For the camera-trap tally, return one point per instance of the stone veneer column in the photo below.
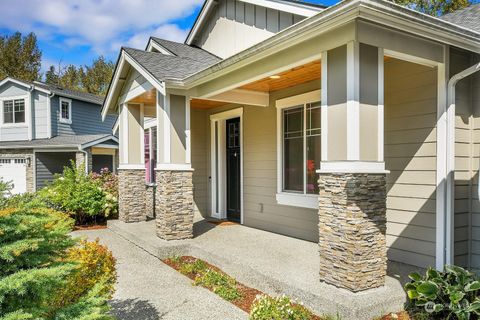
(131, 195)
(352, 226)
(174, 204)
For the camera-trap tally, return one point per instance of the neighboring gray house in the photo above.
(43, 127)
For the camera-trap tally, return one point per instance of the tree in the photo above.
(435, 7)
(20, 57)
(52, 76)
(97, 77)
(92, 79)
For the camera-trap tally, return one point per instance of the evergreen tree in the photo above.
(20, 57)
(51, 76)
(98, 76)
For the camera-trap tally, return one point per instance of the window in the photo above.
(299, 143)
(14, 111)
(301, 148)
(65, 110)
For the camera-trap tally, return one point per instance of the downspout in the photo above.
(449, 224)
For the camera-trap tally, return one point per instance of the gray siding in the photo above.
(50, 163)
(410, 155)
(40, 115)
(13, 133)
(467, 157)
(234, 25)
(86, 119)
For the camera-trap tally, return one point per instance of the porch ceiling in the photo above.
(290, 78)
(206, 104)
(148, 98)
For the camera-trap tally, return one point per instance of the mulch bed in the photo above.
(91, 226)
(248, 294)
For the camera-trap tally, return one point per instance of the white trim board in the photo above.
(216, 121)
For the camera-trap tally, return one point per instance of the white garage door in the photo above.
(14, 170)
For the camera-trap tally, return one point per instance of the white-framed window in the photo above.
(65, 110)
(13, 111)
(298, 149)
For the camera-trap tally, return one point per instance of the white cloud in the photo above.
(99, 24)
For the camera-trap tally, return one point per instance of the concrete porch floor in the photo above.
(274, 264)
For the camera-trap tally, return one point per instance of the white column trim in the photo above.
(381, 107)
(158, 110)
(124, 121)
(372, 167)
(142, 133)
(324, 109)
(441, 178)
(166, 129)
(353, 103)
(188, 140)
(29, 114)
(49, 116)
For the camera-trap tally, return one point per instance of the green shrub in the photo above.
(278, 308)
(220, 283)
(35, 268)
(28, 201)
(76, 193)
(452, 294)
(197, 267)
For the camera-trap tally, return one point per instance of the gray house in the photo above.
(44, 127)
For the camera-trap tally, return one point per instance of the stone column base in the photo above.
(174, 204)
(131, 195)
(352, 227)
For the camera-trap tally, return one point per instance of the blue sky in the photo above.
(77, 31)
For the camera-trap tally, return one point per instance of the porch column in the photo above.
(131, 171)
(352, 176)
(174, 194)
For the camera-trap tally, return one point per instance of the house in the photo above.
(355, 126)
(43, 127)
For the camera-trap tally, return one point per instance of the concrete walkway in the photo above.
(274, 264)
(148, 289)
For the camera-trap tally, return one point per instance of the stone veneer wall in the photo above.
(352, 227)
(80, 159)
(131, 195)
(150, 200)
(22, 153)
(174, 204)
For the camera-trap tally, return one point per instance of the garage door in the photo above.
(14, 170)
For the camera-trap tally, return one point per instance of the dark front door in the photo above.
(233, 169)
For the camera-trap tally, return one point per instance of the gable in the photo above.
(11, 89)
(234, 25)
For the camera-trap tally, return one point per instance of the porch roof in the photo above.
(468, 17)
(185, 51)
(75, 141)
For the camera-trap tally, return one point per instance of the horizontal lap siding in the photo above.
(13, 133)
(260, 174)
(50, 163)
(199, 160)
(475, 204)
(410, 155)
(463, 160)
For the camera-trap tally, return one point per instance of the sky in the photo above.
(78, 31)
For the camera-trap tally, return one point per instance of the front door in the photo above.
(233, 169)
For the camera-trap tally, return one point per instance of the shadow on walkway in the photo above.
(134, 309)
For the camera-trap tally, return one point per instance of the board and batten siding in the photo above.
(86, 119)
(40, 115)
(234, 25)
(410, 155)
(20, 131)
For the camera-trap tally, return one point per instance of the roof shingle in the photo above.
(185, 51)
(468, 17)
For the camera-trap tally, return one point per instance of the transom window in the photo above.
(301, 148)
(14, 111)
(65, 110)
